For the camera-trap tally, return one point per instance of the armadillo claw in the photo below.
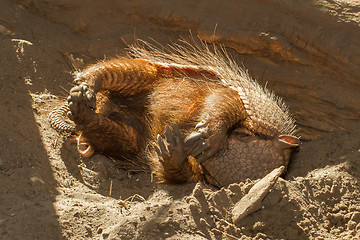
(163, 149)
(205, 156)
(158, 151)
(215, 146)
(177, 133)
(195, 136)
(169, 136)
(204, 144)
(201, 124)
(200, 147)
(171, 149)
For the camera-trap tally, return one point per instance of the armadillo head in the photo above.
(263, 141)
(249, 155)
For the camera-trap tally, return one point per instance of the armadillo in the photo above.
(188, 112)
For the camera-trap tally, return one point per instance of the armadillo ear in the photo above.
(288, 141)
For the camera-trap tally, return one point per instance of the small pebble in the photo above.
(258, 226)
(204, 223)
(351, 225)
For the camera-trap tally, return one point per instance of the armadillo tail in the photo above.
(58, 119)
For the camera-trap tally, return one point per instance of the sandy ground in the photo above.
(311, 59)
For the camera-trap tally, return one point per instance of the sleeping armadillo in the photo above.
(188, 112)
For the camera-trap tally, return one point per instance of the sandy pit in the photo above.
(307, 52)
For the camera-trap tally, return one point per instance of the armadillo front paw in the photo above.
(205, 142)
(80, 97)
(171, 151)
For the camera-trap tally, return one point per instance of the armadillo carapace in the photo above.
(189, 113)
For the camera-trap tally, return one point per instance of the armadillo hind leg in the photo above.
(57, 118)
(126, 76)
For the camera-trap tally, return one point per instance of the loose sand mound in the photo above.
(307, 52)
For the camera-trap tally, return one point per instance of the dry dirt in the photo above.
(308, 52)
